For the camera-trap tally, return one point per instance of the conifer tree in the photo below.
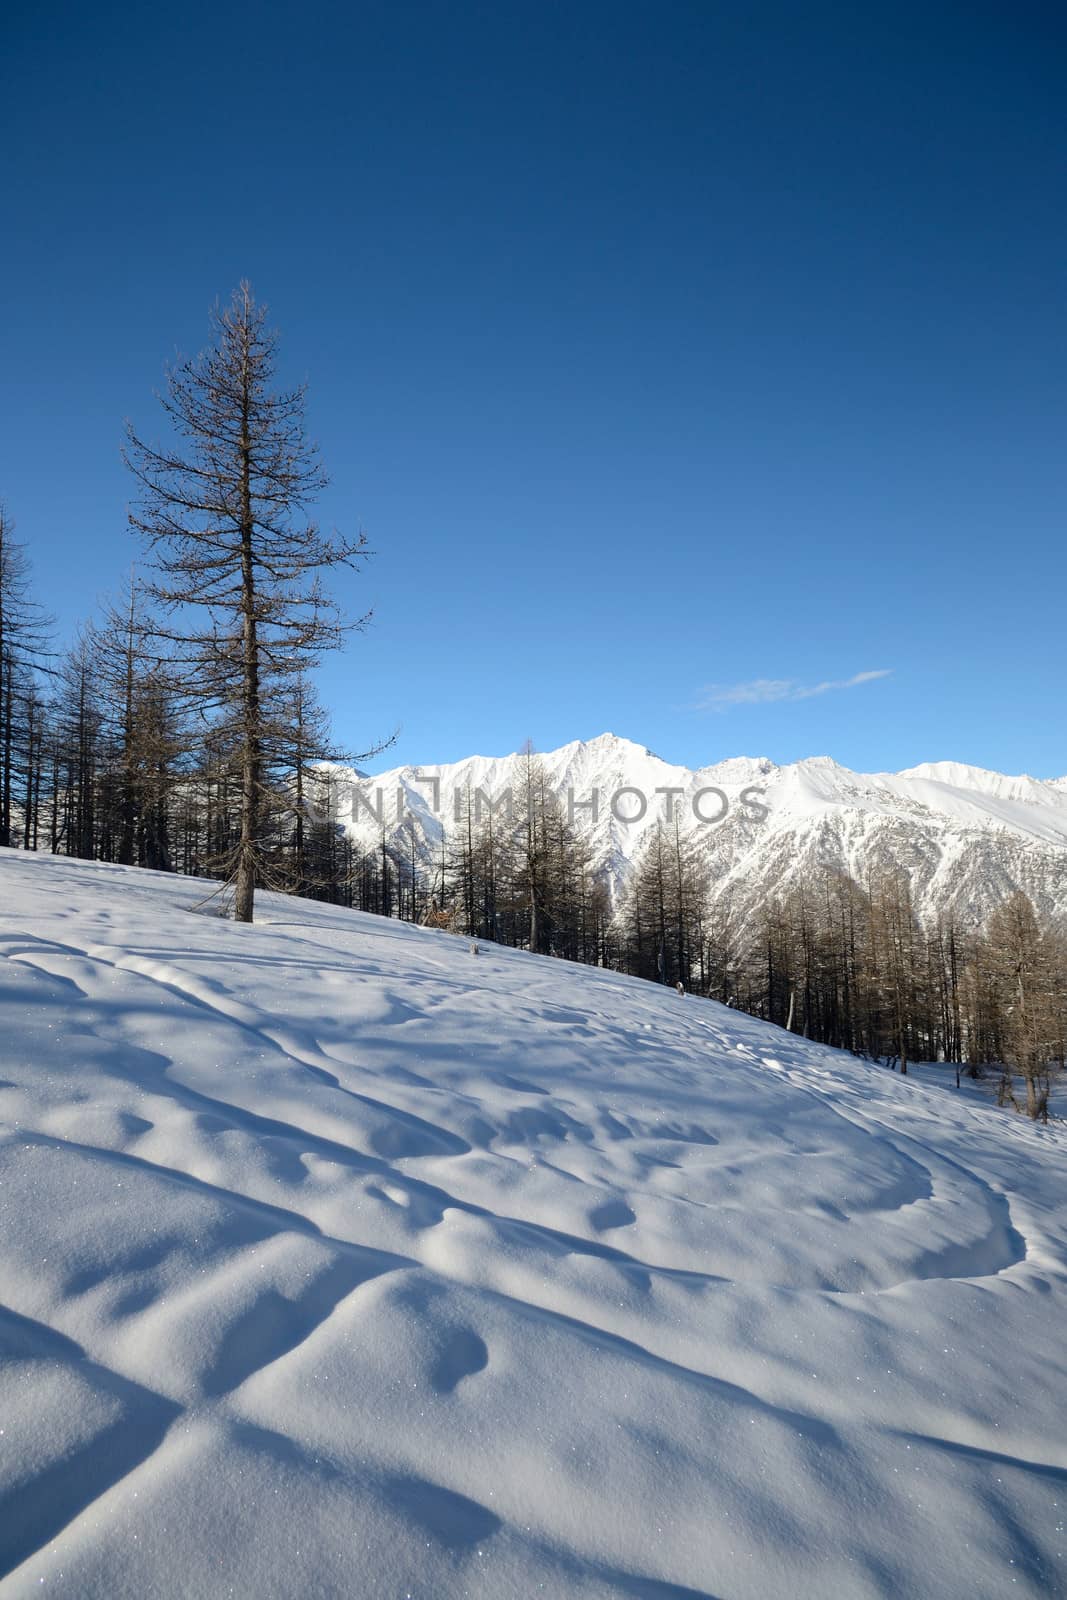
(24, 639)
(237, 561)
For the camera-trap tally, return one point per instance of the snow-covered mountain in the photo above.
(967, 836)
(338, 1261)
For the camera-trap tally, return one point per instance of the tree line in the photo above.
(843, 963)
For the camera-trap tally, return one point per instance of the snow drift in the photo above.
(337, 1260)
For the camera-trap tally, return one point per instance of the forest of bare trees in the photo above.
(180, 731)
(839, 962)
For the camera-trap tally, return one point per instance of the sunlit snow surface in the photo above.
(338, 1261)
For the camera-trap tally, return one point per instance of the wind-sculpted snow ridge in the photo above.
(967, 837)
(338, 1261)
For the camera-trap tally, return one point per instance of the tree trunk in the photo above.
(5, 799)
(244, 894)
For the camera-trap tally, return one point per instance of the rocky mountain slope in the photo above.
(967, 837)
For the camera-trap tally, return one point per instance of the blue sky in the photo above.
(696, 369)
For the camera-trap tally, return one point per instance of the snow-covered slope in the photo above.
(967, 836)
(336, 1260)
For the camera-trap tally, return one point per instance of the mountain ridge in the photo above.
(966, 835)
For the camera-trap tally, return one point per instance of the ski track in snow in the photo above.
(335, 1260)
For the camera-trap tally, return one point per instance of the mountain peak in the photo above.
(965, 835)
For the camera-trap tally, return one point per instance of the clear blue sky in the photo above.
(660, 348)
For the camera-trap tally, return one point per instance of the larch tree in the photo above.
(1021, 958)
(237, 560)
(24, 640)
(139, 716)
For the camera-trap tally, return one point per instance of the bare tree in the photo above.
(1021, 958)
(145, 728)
(237, 561)
(24, 638)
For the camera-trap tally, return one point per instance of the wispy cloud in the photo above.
(765, 691)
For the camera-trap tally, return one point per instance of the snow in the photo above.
(338, 1261)
(966, 835)
(803, 791)
(985, 1089)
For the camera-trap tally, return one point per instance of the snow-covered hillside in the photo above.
(966, 836)
(336, 1260)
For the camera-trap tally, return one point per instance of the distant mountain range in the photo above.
(967, 836)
